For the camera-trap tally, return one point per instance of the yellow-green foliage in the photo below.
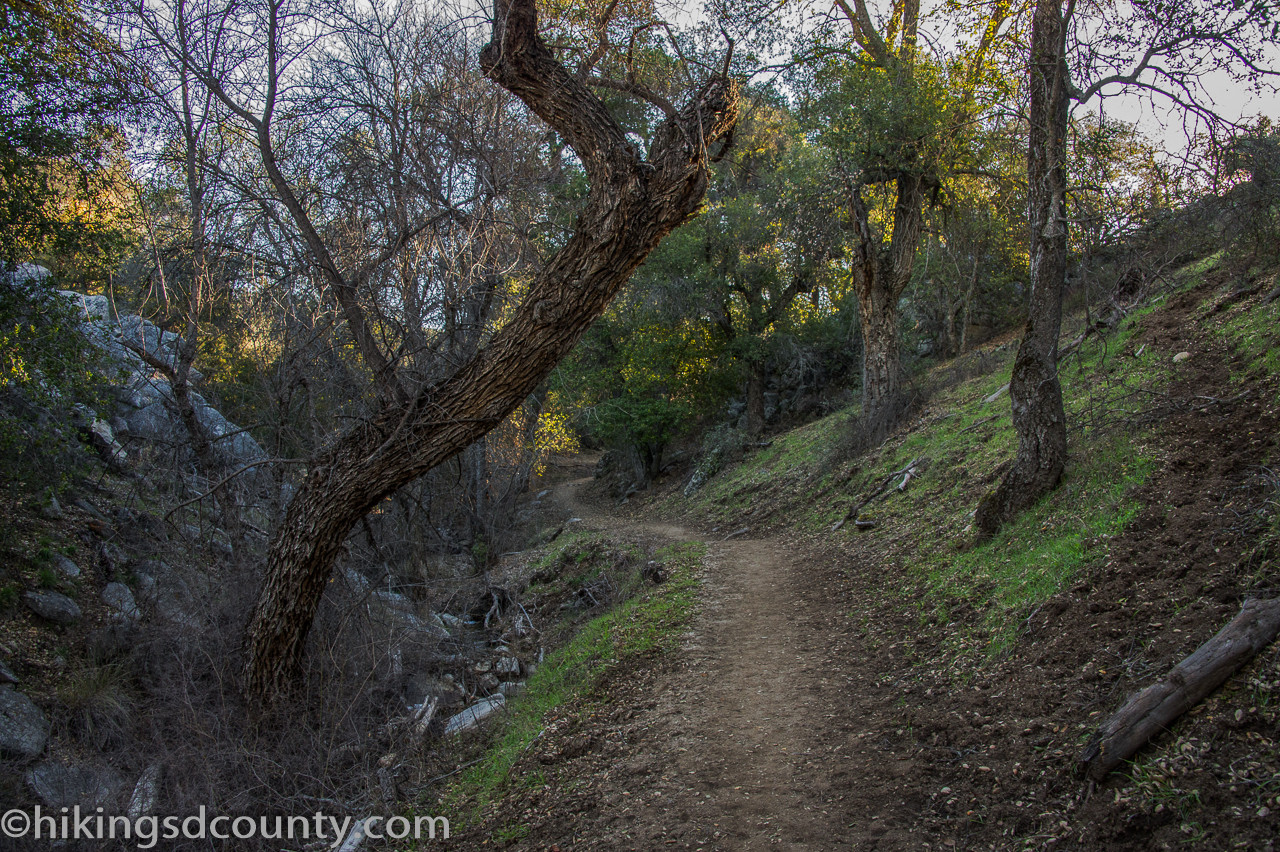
(47, 368)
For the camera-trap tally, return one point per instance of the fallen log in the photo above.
(977, 423)
(907, 473)
(1156, 707)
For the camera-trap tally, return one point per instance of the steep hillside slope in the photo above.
(938, 692)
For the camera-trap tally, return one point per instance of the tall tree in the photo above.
(633, 202)
(1038, 415)
(896, 121)
(1158, 47)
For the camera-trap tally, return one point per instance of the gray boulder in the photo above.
(60, 786)
(24, 728)
(52, 509)
(124, 608)
(54, 606)
(7, 675)
(65, 567)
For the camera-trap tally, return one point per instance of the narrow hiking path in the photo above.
(719, 751)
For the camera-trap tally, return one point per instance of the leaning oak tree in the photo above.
(1038, 415)
(633, 202)
(1160, 48)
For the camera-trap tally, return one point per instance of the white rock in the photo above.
(474, 715)
(146, 793)
(506, 666)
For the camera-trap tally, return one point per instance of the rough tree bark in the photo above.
(880, 276)
(632, 204)
(1155, 708)
(1036, 393)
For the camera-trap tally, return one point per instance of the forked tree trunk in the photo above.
(1034, 389)
(631, 206)
(881, 275)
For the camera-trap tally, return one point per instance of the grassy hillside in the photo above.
(1168, 517)
(1113, 383)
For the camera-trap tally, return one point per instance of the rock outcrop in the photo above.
(145, 402)
(24, 729)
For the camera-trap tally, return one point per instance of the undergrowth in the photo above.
(650, 622)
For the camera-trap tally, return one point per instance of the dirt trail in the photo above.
(723, 757)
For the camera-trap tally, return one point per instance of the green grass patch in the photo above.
(1106, 387)
(783, 474)
(960, 439)
(1200, 268)
(647, 623)
(1045, 548)
(1253, 328)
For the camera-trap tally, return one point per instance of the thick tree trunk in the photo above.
(1035, 392)
(632, 205)
(881, 365)
(881, 274)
